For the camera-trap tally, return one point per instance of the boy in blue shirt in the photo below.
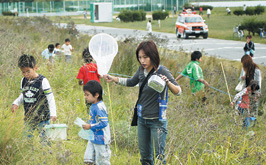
(36, 95)
(49, 54)
(98, 150)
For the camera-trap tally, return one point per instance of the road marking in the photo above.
(259, 57)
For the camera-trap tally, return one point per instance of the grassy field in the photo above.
(220, 24)
(198, 133)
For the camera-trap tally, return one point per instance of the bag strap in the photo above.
(135, 116)
(143, 84)
(166, 90)
(86, 71)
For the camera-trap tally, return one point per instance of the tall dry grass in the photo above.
(198, 133)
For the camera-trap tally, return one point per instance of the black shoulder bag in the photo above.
(135, 116)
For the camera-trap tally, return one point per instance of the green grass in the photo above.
(220, 24)
(197, 133)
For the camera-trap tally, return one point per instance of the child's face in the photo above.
(51, 51)
(58, 47)
(90, 98)
(67, 43)
(199, 60)
(248, 40)
(29, 73)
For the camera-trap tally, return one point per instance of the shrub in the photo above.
(130, 16)
(238, 12)
(250, 11)
(143, 14)
(252, 25)
(156, 15)
(126, 16)
(259, 9)
(8, 13)
(137, 16)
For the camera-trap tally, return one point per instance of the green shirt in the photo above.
(194, 71)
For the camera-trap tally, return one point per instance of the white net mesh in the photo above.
(103, 49)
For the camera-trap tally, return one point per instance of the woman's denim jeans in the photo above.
(152, 133)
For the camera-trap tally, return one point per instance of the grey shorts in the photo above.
(97, 153)
(67, 58)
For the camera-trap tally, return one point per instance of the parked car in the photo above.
(188, 24)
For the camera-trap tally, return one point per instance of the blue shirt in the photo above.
(46, 54)
(98, 119)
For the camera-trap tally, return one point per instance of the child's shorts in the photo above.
(97, 153)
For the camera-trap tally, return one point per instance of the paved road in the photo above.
(227, 49)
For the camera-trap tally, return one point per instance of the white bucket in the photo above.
(156, 83)
(56, 131)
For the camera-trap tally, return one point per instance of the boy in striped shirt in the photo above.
(36, 95)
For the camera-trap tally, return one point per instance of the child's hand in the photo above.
(243, 77)
(14, 107)
(86, 126)
(232, 104)
(206, 83)
(53, 118)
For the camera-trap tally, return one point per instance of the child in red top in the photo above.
(89, 70)
(249, 97)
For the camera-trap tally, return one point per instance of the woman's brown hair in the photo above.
(151, 51)
(249, 67)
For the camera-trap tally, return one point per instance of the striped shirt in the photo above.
(38, 99)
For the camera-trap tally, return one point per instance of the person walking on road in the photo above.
(149, 27)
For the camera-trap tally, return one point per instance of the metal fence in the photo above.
(77, 7)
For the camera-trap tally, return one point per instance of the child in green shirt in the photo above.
(194, 71)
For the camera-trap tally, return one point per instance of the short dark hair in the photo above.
(196, 55)
(94, 87)
(249, 36)
(86, 55)
(51, 47)
(26, 61)
(57, 44)
(151, 51)
(67, 40)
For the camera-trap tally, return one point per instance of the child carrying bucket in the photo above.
(36, 96)
(247, 106)
(98, 150)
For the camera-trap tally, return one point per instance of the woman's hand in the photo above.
(109, 78)
(243, 77)
(173, 88)
(165, 79)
